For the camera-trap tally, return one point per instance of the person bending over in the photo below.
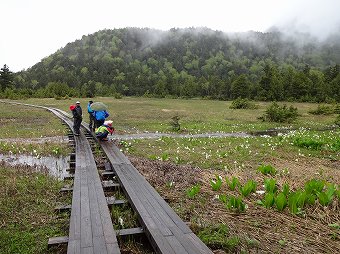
(103, 131)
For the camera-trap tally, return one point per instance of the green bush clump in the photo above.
(337, 120)
(337, 109)
(280, 114)
(322, 110)
(308, 143)
(240, 103)
(317, 145)
(175, 125)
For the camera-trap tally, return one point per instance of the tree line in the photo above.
(193, 62)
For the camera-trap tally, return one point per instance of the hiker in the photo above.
(104, 130)
(100, 117)
(77, 118)
(91, 116)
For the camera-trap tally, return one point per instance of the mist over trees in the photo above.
(193, 62)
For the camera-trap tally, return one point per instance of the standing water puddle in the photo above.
(53, 165)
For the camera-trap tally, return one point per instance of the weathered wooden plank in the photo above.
(110, 185)
(155, 214)
(108, 174)
(73, 246)
(197, 242)
(149, 202)
(185, 242)
(86, 230)
(113, 201)
(96, 222)
(57, 240)
(107, 166)
(99, 245)
(117, 157)
(155, 197)
(62, 208)
(150, 227)
(66, 189)
(109, 234)
(87, 250)
(90, 195)
(74, 231)
(112, 248)
(130, 231)
(176, 245)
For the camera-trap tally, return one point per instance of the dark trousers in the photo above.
(92, 124)
(76, 125)
(101, 135)
(98, 123)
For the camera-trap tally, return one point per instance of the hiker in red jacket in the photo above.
(77, 117)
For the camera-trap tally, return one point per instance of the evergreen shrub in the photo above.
(241, 103)
(280, 114)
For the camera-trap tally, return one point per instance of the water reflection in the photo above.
(52, 165)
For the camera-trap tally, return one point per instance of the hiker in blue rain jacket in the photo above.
(91, 116)
(100, 117)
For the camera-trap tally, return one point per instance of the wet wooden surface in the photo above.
(91, 229)
(163, 227)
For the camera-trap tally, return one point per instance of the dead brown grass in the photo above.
(276, 232)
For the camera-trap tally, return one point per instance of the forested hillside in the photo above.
(193, 62)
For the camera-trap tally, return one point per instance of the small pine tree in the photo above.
(175, 123)
(6, 78)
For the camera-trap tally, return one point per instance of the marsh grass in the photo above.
(28, 122)
(132, 114)
(35, 149)
(27, 201)
(230, 152)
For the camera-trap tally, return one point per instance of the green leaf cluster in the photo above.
(248, 188)
(270, 185)
(233, 183)
(267, 170)
(217, 183)
(193, 191)
(233, 203)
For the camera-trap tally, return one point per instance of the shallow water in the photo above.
(52, 165)
(159, 135)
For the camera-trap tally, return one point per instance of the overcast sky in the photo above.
(34, 29)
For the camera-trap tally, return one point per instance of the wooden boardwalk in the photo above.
(91, 229)
(165, 230)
